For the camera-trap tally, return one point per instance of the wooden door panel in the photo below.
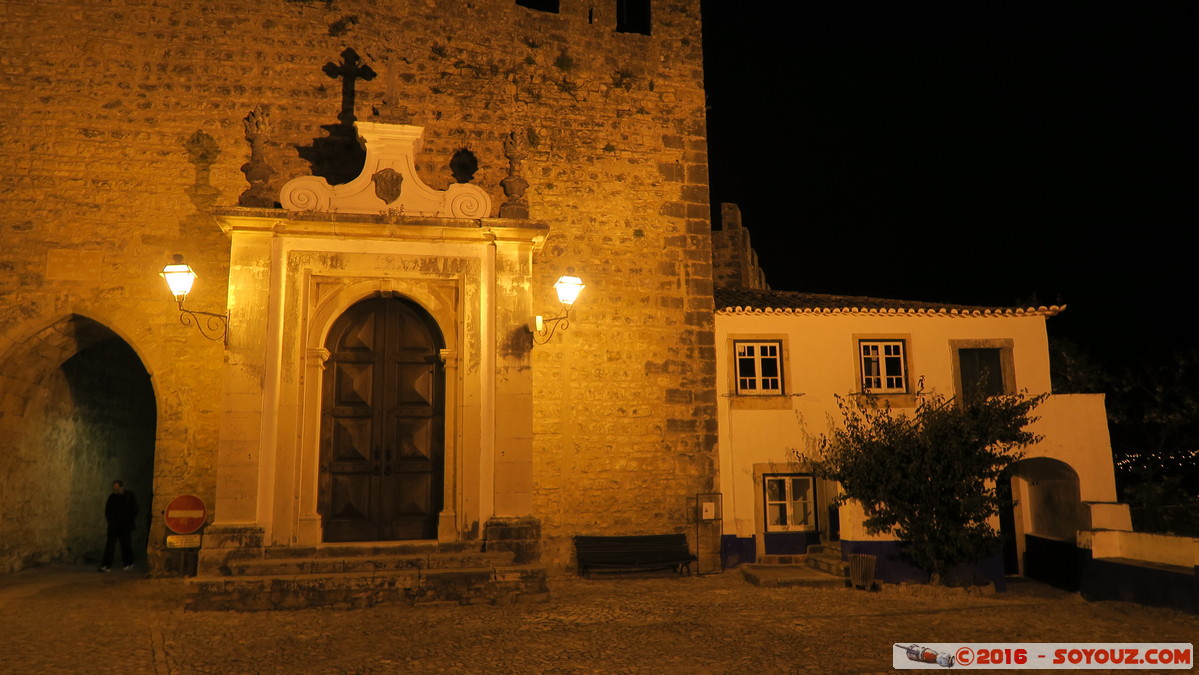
(408, 507)
(350, 507)
(354, 384)
(414, 439)
(361, 336)
(415, 384)
(352, 440)
(382, 460)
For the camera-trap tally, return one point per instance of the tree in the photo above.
(930, 478)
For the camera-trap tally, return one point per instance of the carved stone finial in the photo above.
(515, 149)
(257, 123)
(258, 172)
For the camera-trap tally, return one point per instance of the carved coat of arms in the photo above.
(387, 185)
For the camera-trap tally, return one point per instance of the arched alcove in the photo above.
(1040, 529)
(79, 412)
(1051, 495)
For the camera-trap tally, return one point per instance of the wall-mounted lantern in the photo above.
(568, 291)
(180, 277)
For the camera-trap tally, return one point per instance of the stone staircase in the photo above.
(821, 566)
(827, 558)
(364, 575)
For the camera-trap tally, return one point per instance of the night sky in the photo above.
(992, 153)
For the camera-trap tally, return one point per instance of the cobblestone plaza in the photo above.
(73, 620)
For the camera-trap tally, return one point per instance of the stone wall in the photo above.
(734, 261)
(123, 127)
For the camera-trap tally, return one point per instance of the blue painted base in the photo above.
(736, 550)
(1154, 586)
(1062, 564)
(1057, 563)
(790, 543)
(890, 566)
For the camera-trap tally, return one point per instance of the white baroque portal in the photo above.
(388, 183)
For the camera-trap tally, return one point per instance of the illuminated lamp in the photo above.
(180, 278)
(568, 288)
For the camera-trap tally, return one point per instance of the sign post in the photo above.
(184, 516)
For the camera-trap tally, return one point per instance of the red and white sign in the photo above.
(185, 514)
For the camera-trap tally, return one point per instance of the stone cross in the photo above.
(390, 110)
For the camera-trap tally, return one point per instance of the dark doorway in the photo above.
(1007, 523)
(115, 416)
(382, 427)
(82, 414)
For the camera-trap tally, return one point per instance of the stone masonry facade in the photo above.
(123, 129)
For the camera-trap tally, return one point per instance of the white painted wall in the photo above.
(820, 362)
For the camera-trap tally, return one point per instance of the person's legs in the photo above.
(127, 547)
(110, 545)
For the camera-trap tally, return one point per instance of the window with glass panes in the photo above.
(759, 367)
(883, 367)
(789, 502)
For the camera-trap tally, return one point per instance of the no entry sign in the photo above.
(185, 514)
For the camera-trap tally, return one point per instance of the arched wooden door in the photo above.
(382, 429)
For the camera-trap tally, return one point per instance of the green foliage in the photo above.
(930, 477)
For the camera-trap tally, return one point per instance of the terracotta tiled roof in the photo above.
(738, 301)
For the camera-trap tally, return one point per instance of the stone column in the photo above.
(513, 527)
(447, 524)
(237, 530)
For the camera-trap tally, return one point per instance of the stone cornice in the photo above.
(363, 226)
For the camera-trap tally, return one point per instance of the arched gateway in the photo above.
(382, 456)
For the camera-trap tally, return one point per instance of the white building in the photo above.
(783, 356)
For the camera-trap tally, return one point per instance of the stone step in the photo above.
(772, 576)
(323, 564)
(373, 549)
(779, 559)
(832, 548)
(461, 585)
(828, 563)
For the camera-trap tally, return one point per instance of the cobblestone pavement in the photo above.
(75, 620)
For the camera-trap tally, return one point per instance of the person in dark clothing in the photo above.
(120, 511)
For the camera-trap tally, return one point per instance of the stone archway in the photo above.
(1046, 515)
(78, 411)
(1051, 496)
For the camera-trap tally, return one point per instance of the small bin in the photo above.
(861, 570)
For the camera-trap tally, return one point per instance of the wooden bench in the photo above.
(633, 553)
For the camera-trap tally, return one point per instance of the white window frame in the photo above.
(881, 372)
(800, 514)
(760, 352)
